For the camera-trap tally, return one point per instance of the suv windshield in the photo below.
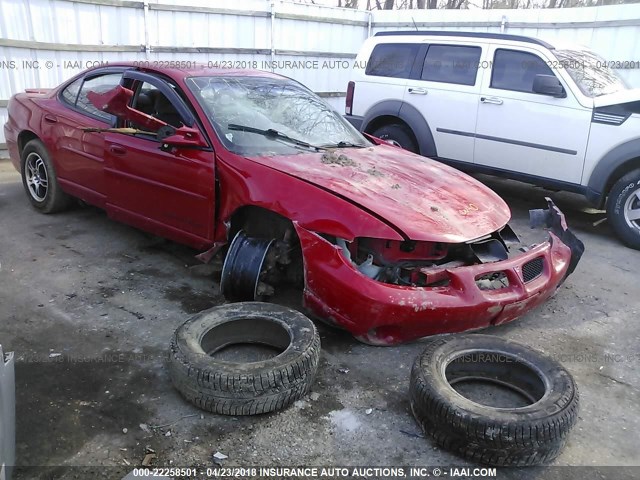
(270, 116)
(590, 71)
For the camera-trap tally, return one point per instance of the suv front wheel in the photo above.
(398, 135)
(623, 209)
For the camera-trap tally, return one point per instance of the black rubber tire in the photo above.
(55, 200)
(244, 388)
(530, 435)
(398, 134)
(618, 196)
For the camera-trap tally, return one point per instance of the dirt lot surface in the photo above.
(89, 306)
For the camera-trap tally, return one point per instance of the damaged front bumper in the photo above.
(386, 314)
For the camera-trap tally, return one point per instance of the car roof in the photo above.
(197, 70)
(441, 33)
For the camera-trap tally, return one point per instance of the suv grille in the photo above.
(532, 269)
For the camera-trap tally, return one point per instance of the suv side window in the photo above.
(392, 60)
(451, 64)
(99, 84)
(515, 70)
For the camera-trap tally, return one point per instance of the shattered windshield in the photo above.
(591, 72)
(270, 116)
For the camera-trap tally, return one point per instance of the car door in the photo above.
(168, 191)
(446, 93)
(386, 71)
(526, 132)
(79, 154)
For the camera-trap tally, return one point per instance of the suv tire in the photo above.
(623, 205)
(398, 135)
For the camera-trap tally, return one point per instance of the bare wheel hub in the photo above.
(245, 268)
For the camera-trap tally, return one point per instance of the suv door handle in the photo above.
(117, 149)
(417, 91)
(492, 100)
(50, 118)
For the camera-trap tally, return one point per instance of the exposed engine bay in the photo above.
(424, 264)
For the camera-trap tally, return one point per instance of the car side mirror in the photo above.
(180, 137)
(548, 85)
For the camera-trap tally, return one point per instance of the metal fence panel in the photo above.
(43, 42)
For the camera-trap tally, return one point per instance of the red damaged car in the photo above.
(385, 243)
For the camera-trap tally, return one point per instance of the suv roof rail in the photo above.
(442, 33)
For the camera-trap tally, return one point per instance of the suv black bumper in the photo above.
(355, 120)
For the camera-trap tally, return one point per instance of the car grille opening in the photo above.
(532, 269)
(492, 281)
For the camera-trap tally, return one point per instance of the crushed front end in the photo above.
(387, 292)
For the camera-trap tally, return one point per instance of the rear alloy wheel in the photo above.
(203, 372)
(623, 209)
(397, 135)
(37, 179)
(493, 401)
(40, 181)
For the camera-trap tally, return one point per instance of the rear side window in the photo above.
(392, 60)
(70, 94)
(451, 64)
(99, 84)
(515, 70)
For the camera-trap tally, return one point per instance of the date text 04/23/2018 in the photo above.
(316, 472)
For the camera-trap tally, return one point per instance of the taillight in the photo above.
(349, 102)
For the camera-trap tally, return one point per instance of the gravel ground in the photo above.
(89, 306)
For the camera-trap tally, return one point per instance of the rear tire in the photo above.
(623, 209)
(397, 134)
(40, 181)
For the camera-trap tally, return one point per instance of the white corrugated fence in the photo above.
(44, 42)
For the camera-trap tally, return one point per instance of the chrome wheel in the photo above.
(632, 210)
(37, 177)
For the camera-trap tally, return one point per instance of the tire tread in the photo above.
(248, 393)
(479, 437)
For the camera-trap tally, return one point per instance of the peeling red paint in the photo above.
(424, 199)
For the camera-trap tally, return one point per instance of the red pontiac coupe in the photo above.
(385, 243)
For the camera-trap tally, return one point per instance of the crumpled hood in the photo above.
(424, 199)
(617, 98)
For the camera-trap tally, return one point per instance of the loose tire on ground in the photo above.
(398, 135)
(47, 198)
(529, 435)
(244, 388)
(623, 208)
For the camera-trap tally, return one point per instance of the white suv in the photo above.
(506, 105)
